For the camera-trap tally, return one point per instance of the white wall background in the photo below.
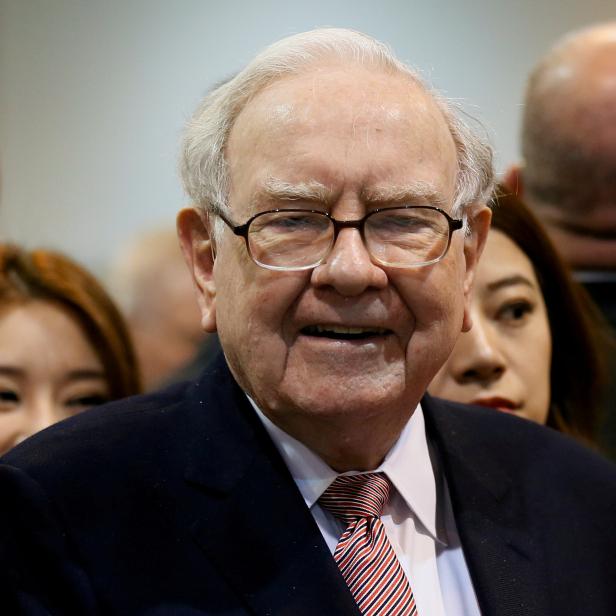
(94, 93)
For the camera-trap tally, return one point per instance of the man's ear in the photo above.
(474, 242)
(513, 180)
(197, 246)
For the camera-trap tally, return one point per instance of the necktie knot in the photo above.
(364, 555)
(351, 497)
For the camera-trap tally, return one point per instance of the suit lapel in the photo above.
(243, 498)
(250, 518)
(504, 558)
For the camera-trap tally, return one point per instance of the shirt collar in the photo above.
(407, 465)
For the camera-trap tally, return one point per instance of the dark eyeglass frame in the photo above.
(359, 224)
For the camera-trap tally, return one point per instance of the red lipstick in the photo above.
(497, 402)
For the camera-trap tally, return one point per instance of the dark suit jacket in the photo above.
(178, 503)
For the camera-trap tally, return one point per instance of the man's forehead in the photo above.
(584, 69)
(366, 95)
(314, 135)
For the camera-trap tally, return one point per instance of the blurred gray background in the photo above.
(94, 94)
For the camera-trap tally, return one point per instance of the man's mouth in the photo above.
(339, 332)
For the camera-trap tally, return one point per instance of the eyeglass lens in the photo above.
(395, 236)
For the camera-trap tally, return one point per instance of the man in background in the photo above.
(568, 171)
(151, 283)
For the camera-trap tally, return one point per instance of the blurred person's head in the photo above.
(568, 172)
(63, 344)
(151, 282)
(533, 349)
(361, 201)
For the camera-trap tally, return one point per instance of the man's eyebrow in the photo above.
(311, 190)
(511, 281)
(414, 192)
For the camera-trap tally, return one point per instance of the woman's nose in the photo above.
(479, 356)
(41, 414)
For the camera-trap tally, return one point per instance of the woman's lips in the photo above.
(497, 402)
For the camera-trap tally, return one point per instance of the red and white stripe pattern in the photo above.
(364, 554)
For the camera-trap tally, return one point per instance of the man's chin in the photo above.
(334, 396)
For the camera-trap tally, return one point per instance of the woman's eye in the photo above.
(87, 401)
(516, 311)
(7, 395)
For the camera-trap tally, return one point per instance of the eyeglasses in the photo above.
(290, 240)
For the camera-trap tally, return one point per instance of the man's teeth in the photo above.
(348, 331)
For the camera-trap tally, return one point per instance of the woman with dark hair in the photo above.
(64, 345)
(535, 348)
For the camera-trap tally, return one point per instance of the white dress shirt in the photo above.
(418, 519)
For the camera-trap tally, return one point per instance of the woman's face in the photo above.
(48, 370)
(504, 360)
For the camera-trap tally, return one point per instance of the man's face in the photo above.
(570, 148)
(343, 140)
(582, 226)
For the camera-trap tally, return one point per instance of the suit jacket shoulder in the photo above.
(535, 511)
(176, 502)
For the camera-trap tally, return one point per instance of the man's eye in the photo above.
(299, 223)
(403, 224)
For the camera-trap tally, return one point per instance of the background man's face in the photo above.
(358, 133)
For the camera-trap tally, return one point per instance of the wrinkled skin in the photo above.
(362, 136)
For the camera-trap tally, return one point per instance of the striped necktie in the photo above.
(364, 554)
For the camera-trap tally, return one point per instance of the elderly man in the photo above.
(569, 171)
(340, 215)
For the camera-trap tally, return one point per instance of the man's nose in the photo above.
(348, 268)
(478, 356)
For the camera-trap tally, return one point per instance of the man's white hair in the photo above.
(203, 166)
